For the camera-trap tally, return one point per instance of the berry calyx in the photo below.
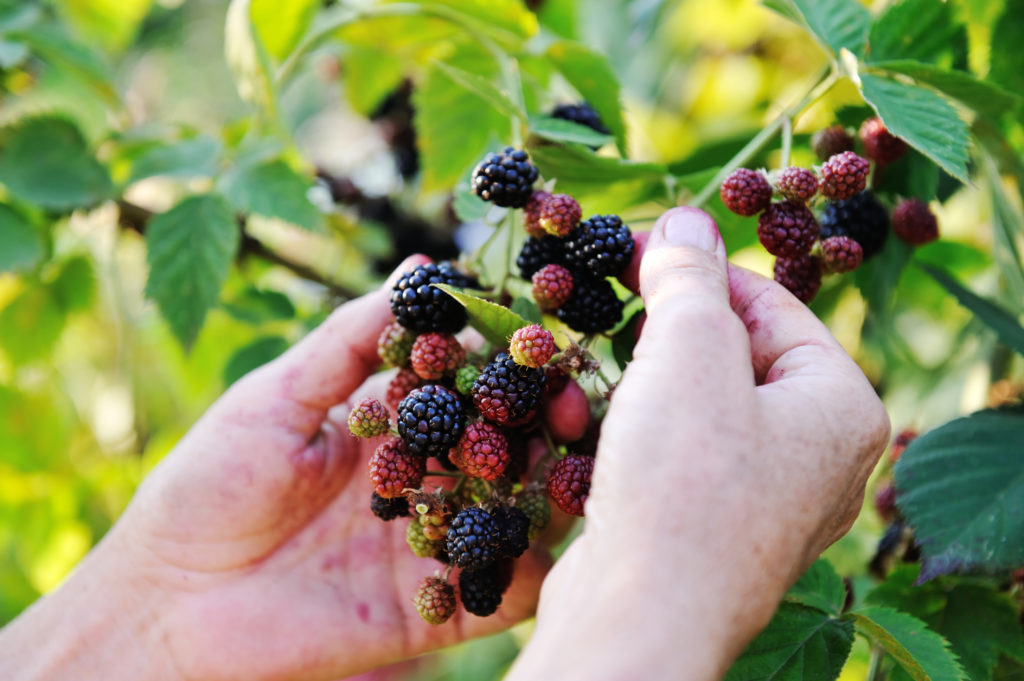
(831, 141)
(841, 254)
(505, 178)
(797, 184)
(915, 223)
(436, 354)
(746, 192)
(531, 213)
(435, 600)
(880, 145)
(472, 540)
(844, 175)
(801, 275)
(532, 346)
(569, 483)
(559, 214)
(369, 418)
(482, 452)
(787, 229)
(395, 344)
(393, 469)
(552, 286)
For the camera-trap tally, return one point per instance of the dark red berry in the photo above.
(746, 192)
(880, 145)
(404, 382)
(915, 223)
(787, 229)
(844, 175)
(393, 469)
(801, 275)
(841, 254)
(569, 483)
(531, 213)
(831, 141)
(559, 214)
(552, 286)
(797, 184)
(436, 354)
(482, 452)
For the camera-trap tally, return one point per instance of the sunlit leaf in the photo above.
(833, 23)
(923, 654)
(820, 587)
(280, 25)
(919, 30)
(494, 322)
(980, 95)
(1004, 323)
(592, 76)
(558, 130)
(272, 190)
(21, 245)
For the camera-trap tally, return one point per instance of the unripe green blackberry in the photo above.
(435, 600)
(418, 542)
(395, 344)
(465, 377)
(537, 509)
(369, 418)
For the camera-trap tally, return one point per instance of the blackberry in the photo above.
(395, 344)
(537, 509)
(506, 178)
(482, 452)
(465, 378)
(592, 307)
(797, 184)
(369, 418)
(473, 538)
(431, 420)
(787, 229)
(389, 509)
(801, 275)
(435, 355)
(914, 222)
(552, 286)
(536, 253)
(515, 531)
(569, 483)
(844, 175)
(862, 218)
(581, 113)
(745, 192)
(506, 393)
(419, 543)
(831, 141)
(393, 469)
(531, 346)
(481, 590)
(560, 214)
(880, 145)
(841, 254)
(422, 308)
(435, 600)
(531, 213)
(601, 246)
(403, 383)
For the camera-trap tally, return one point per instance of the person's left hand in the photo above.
(251, 553)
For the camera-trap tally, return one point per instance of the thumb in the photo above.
(684, 282)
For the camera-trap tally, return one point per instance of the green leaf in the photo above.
(509, 19)
(52, 44)
(961, 487)
(190, 250)
(484, 89)
(920, 30)
(558, 130)
(369, 76)
(280, 25)
(454, 128)
(74, 287)
(913, 174)
(253, 356)
(35, 308)
(593, 77)
(979, 622)
(923, 119)
(923, 654)
(1007, 227)
(272, 190)
(799, 643)
(527, 309)
(247, 57)
(494, 322)
(112, 25)
(468, 206)
(45, 161)
(1007, 59)
(835, 24)
(196, 157)
(256, 305)
(21, 245)
(575, 165)
(979, 95)
(1004, 323)
(624, 341)
(821, 588)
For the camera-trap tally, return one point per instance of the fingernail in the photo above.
(692, 228)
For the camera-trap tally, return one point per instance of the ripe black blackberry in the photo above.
(581, 113)
(422, 308)
(431, 420)
(473, 538)
(601, 246)
(862, 218)
(537, 253)
(506, 393)
(515, 531)
(593, 306)
(389, 509)
(481, 590)
(506, 178)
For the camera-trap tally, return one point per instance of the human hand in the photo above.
(735, 449)
(250, 552)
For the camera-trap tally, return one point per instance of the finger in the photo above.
(631, 277)
(327, 365)
(785, 336)
(691, 331)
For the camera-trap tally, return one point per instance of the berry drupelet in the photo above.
(506, 178)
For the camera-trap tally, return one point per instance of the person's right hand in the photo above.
(736, 448)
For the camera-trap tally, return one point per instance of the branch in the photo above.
(136, 218)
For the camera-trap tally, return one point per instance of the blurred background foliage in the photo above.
(319, 163)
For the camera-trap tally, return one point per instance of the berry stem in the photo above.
(821, 87)
(787, 142)
(875, 664)
(506, 226)
(541, 466)
(445, 474)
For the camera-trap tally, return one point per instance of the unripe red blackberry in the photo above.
(787, 229)
(435, 600)
(569, 483)
(885, 502)
(505, 178)
(880, 145)
(915, 223)
(395, 344)
(841, 254)
(831, 141)
(559, 214)
(393, 469)
(900, 442)
(465, 378)
(801, 275)
(531, 213)
(369, 418)
(552, 286)
(844, 175)
(532, 346)
(797, 184)
(746, 192)
(482, 452)
(436, 354)
(506, 392)
(404, 382)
